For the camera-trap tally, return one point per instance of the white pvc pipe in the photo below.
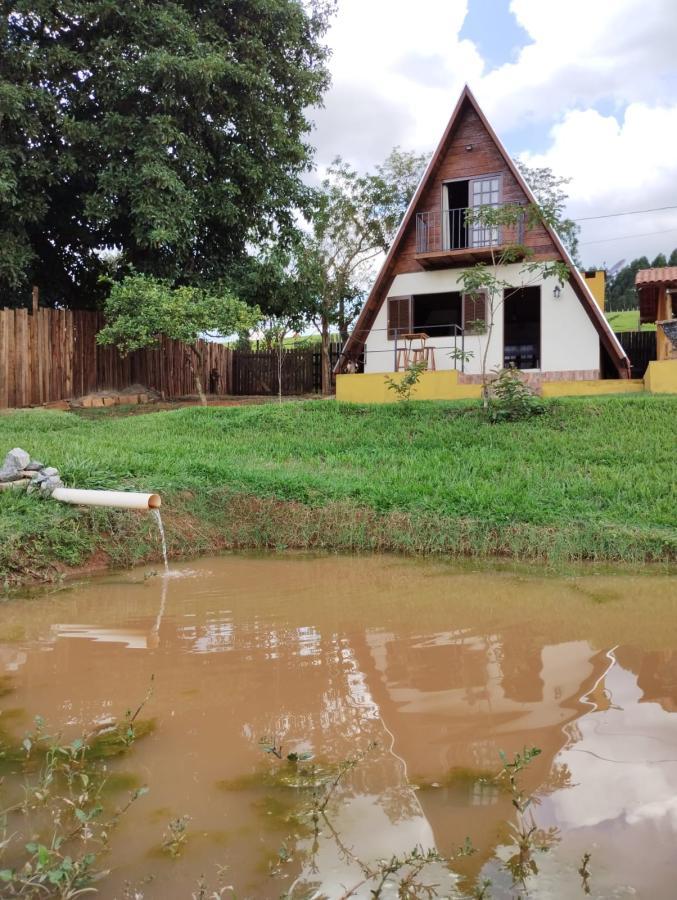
(119, 499)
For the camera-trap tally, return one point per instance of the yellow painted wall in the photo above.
(661, 376)
(372, 388)
(592, 388)
(597, 284)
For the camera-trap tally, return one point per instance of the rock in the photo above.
(50, 471)
(38, 477)
(57, 404)
(11, 485)
(15, 462)
(49, 485)
(34, 466)
(6, 477)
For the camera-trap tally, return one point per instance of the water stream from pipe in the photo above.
(161, 529)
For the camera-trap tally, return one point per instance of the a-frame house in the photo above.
(552, 332)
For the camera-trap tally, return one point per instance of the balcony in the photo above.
(448, 236)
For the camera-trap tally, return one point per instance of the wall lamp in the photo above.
(468, 147)
(557, 292)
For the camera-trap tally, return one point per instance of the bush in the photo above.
(511, 398)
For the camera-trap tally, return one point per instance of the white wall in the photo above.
(569, 340)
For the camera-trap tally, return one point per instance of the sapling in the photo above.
(404, 387)
(489, 280)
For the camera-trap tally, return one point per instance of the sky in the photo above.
(586, 87)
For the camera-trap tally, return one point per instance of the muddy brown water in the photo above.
(440, 666)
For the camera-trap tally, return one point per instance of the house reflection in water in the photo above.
(443, 669)
(454, 700)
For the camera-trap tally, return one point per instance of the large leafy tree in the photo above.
(354, 223)
(171, 131)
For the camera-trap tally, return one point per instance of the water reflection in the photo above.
(442, 667)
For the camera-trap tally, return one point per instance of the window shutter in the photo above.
(399, 316)
(475, 313)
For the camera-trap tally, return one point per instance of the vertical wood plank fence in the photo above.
(256, 371)
(640, 347)
(50, 355)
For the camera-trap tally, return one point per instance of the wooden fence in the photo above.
(640, 347)
(256, 371)
(52, 354)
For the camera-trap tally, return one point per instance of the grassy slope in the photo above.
(594, 479)
(628, 320)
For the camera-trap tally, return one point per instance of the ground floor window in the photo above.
(436, 314)
(522, 328)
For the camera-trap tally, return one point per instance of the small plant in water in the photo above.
(527, 837)
(62, 809)
(584, 872)
(405, 873)
(176, 835)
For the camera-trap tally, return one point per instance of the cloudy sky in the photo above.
(587, 87)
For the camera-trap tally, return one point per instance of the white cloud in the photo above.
(583, 53)
(395, 78)
(598, 79)
(618, 165)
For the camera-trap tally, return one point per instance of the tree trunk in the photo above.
(485, 381)
(196, 370)
(326, 359)
(342, 324)
(280, 361)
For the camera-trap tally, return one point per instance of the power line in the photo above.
(632, 212)
(623, 237)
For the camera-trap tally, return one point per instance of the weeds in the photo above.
(584, 872)
(175, 837)
(62, 803)
(405, 872)
(527, 837)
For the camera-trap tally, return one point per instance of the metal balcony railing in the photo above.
(448, 340)
(453, 229)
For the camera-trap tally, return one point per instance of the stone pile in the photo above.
(20, 471)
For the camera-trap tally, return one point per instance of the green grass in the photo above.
(593, 479)
(628, 320)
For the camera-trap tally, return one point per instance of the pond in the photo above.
(407, 679)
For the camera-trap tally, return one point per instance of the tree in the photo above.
(673, 258)
(620, 291)
(278, 281)
(140, 309)
(172, 132)
(276, 329)
(659, 262)
(551, 197)
(354, 222)
(489, 279)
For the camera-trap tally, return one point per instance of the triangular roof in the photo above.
(379, 291)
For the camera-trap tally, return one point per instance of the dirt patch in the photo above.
(137, 409)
